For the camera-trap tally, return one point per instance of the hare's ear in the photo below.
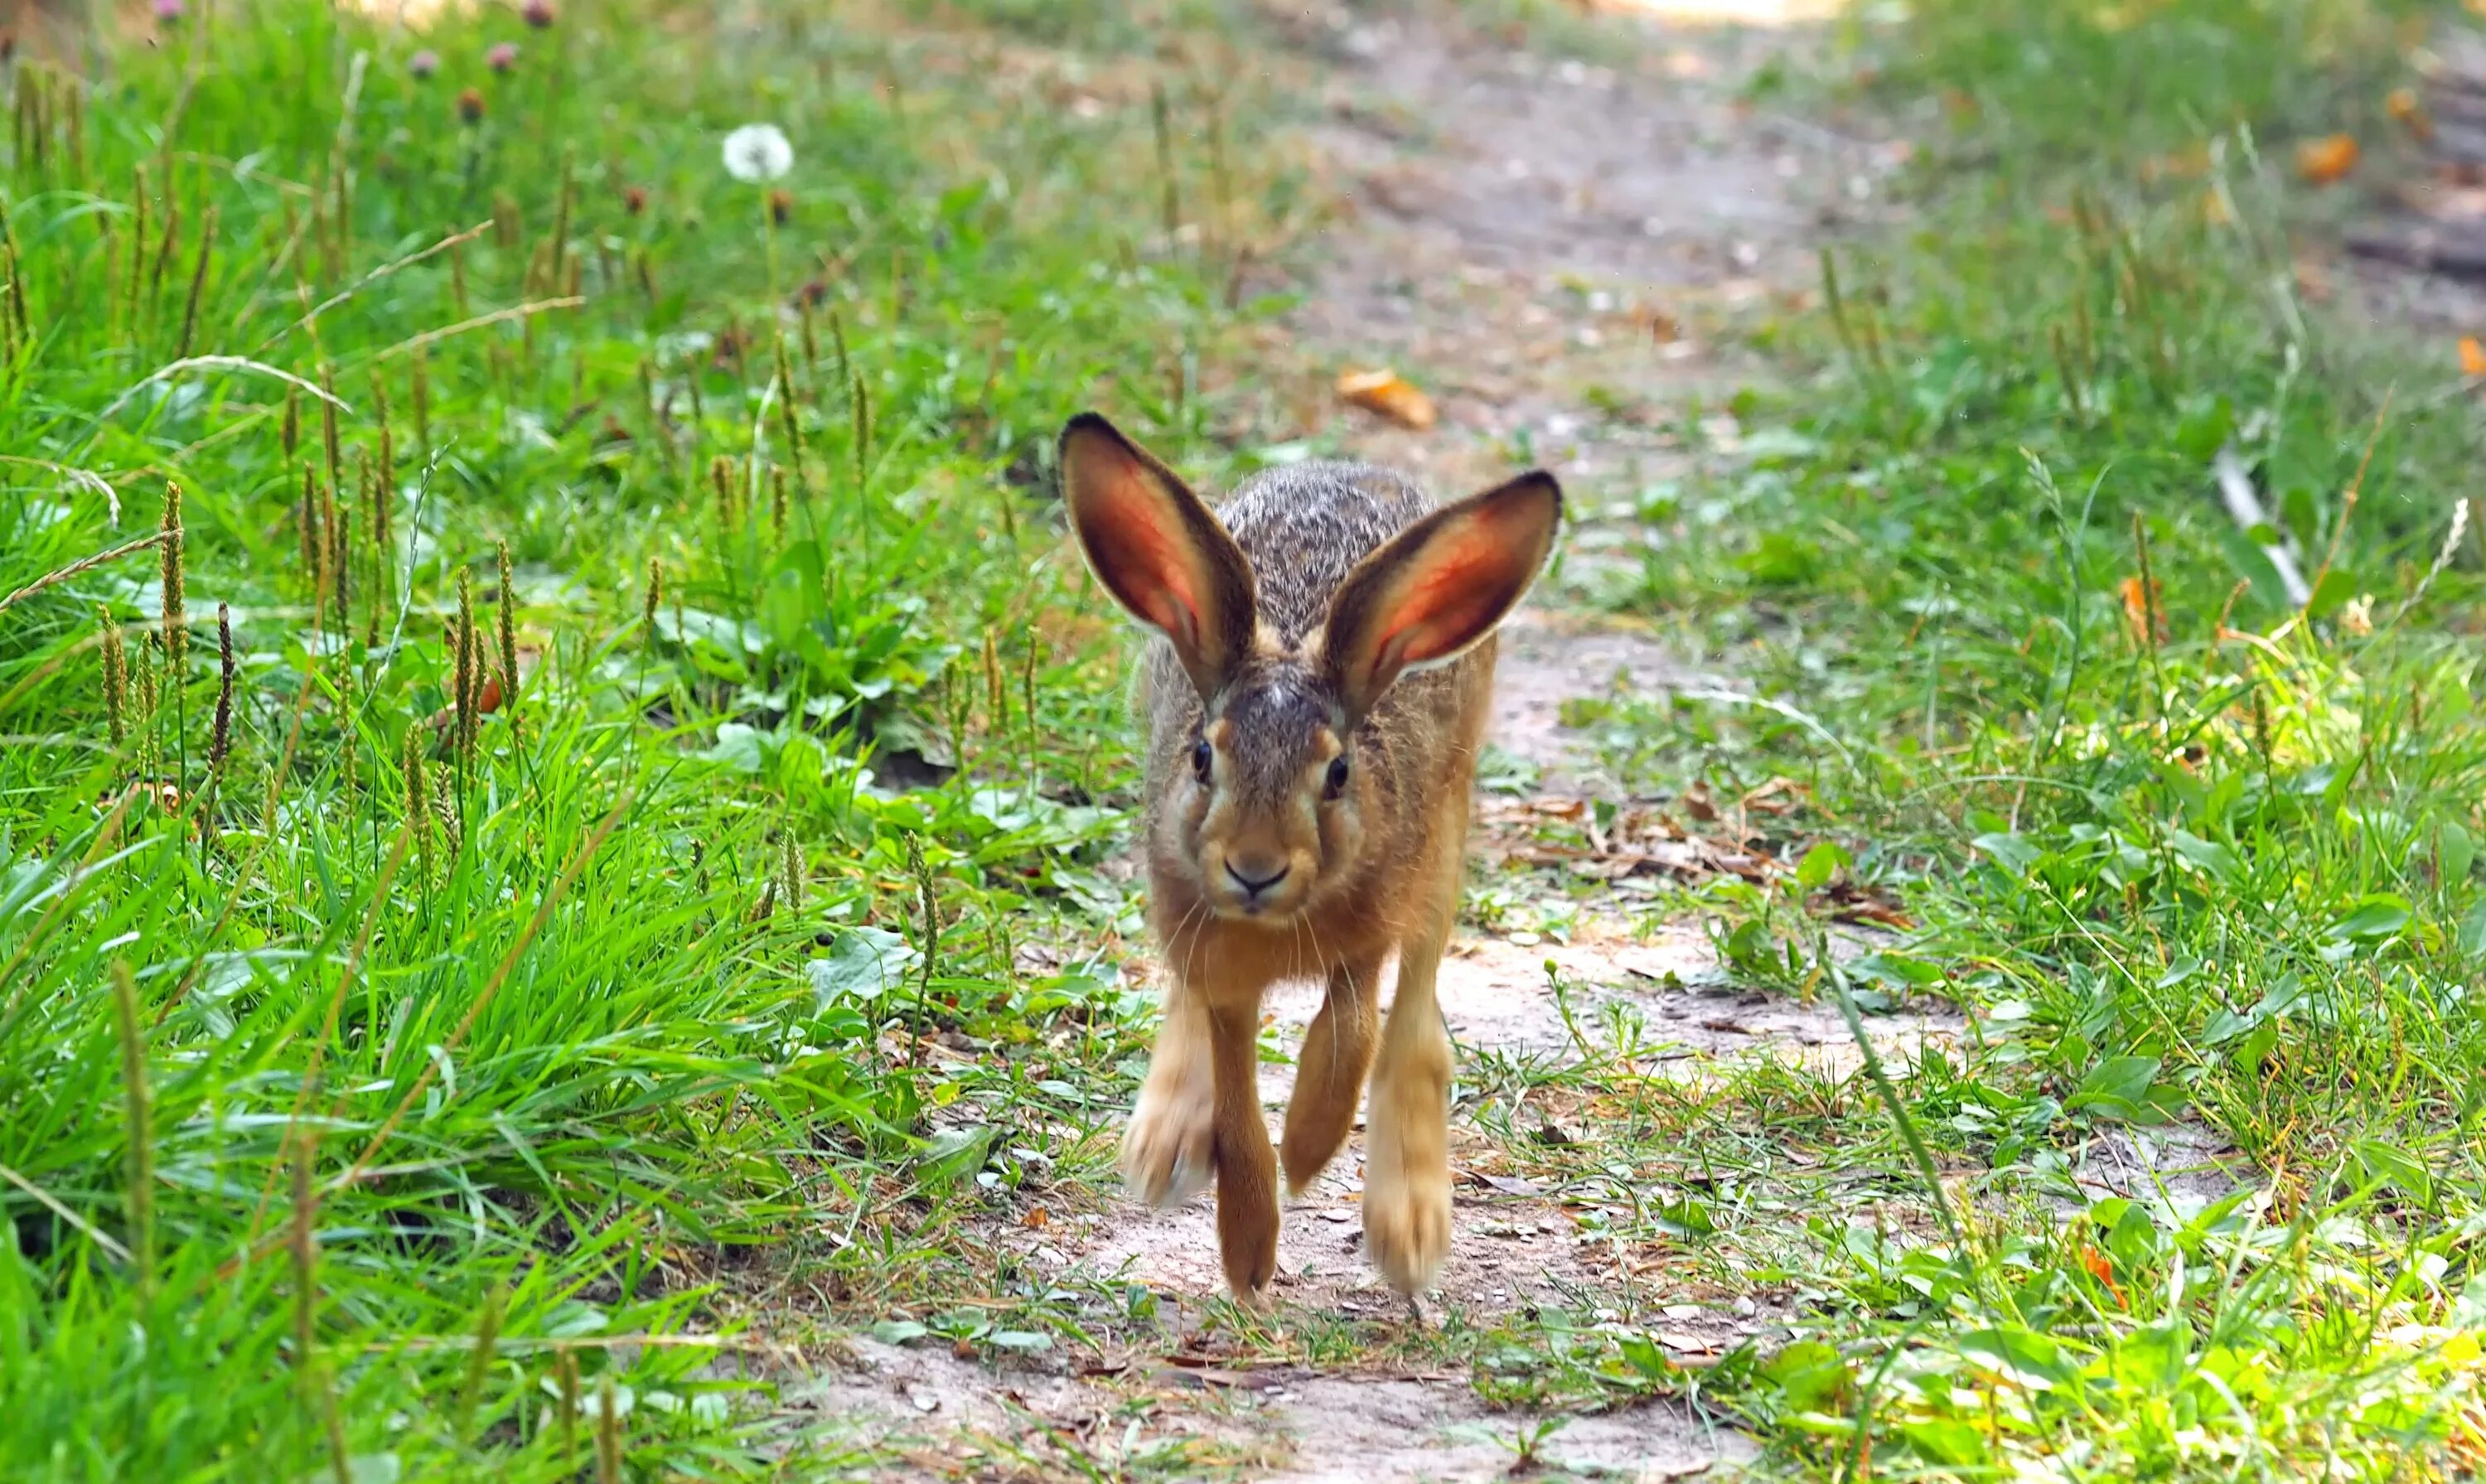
(1439, 586)
(1157, 548)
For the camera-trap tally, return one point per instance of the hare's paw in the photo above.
(1407, 1225)
(1165, 1157)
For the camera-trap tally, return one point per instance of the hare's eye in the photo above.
(1200, 759)
(1338, 776)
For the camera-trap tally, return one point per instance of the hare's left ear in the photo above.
(1439, 586)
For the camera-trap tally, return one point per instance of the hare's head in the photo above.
(1272, 804)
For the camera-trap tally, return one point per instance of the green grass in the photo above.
(2222, 875)
(469, 1071)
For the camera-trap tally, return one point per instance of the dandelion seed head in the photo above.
(758, 153)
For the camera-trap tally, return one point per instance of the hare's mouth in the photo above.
(1265, 895)
(1242, 907)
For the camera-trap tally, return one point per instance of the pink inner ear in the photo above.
(1449, 598)
(1144, 558)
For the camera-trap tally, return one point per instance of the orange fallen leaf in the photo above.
(2103, 1271)
(2402, 105)
(1384, 392)
(2140, 608)
(2328, 160)
(2473, 357)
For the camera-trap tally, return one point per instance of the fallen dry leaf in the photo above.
(2101, 1270)
(1854, 903)
(1386, 392)
(2473, 357)
(2143, 611)
(2328, 160)
(2402, 105)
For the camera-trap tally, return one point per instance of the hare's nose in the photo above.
(1256, 876)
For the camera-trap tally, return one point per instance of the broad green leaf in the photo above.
(2117, 1087)
(863, 963)
(2454, 851)
(1686, 1218)
(2388, 1164)
(2251, 563)
(2473, 929)
(2333, 592)
(1897, 969)
(2152, 1358)
(1645, 1356)
(2255, 1049)
(1026, 1342)
(2019, 1355)
(2379, 916)
(2205, 428)
(1809, 1375)
(2209, 855)
(1943, 1440)
(954, 1154)
(2012, 852)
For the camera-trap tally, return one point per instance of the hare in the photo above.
(1315, 699)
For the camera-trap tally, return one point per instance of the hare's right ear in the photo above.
(1157, 548)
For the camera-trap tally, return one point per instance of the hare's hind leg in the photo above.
(1329, 1076)
(1406, 1156)
(1247, 1167)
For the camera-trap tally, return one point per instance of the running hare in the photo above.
(1307, 816)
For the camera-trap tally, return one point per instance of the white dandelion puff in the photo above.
(758, 151)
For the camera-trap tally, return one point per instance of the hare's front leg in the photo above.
(1329, 1075)
(1168, 1150)
(1407, 1160)
(1247, 1167)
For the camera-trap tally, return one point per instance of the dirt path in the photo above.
(1540, 242)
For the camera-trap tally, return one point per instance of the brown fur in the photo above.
(1265, 872)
